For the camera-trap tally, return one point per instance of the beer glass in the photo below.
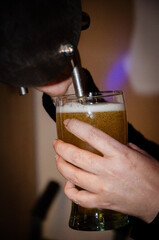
(106, 111)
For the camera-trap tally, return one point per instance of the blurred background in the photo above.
(121, 51)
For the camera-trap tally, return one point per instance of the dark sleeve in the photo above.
(141, 230)
(49, 106)
(138, 139)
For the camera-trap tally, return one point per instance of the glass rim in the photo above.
(91, 94)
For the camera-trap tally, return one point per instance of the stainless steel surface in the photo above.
(23, 91)
(69, 50)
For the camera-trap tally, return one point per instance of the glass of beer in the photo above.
(106, 111)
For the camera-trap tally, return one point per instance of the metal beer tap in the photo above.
(69, 50)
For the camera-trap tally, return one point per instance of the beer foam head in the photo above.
(98, 107)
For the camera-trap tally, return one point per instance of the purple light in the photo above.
(117, 75)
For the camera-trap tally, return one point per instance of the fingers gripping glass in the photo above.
(106, 111)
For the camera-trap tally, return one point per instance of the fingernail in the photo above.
(66, 122)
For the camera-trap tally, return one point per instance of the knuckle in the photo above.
(66, 192)
(92, 133)
(74, 178)
(69, 194)
(81, 201)
(58, 164)
(77, 155)
(103, 190)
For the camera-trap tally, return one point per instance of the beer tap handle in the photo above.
(77, 76)
(69, 50)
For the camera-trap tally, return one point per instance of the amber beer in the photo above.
(110, 117)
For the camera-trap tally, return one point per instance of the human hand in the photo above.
(56, 88)
(124, 179)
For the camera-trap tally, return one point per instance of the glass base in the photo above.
(85, 219)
